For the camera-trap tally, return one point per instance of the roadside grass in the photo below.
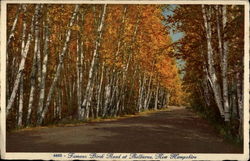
(74, 122)
(223, 129)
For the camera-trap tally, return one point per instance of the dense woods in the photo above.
(78, 62)
(213, 50)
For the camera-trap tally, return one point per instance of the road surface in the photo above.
(177, 130)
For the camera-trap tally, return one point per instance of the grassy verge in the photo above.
(68, 123)
(224, 130)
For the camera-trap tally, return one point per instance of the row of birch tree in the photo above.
(213, 49)
(77, 62)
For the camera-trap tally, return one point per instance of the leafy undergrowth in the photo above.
(68, 122)
(225, 130)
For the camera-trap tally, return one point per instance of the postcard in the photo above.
(124, 80)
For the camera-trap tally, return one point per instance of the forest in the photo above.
(87, 61)
(213, 50)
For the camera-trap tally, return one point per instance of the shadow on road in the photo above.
(176, 131)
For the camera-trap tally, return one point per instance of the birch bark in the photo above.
(211, 71)
(224, 66)
(81, 64)
(157, 95)
(24, 52)
(148, 93)
(44, 64)
(99, 98)
(78, 70)
(11, 35)
(107, 94)
(88, 93)
(113, 74)
(113, 95)
(34, 64)
(126, 67)
(20, 111)
(42, 112)
(141, 92)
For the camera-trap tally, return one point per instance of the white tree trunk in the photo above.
(11, 35)
(157, 95)
(39, 68)
(141, 92)
(121, 31)
(42, 112)
(148, 93)
(113, 75)
(44, 65)
(20, 111)
(118, 102)
(224, 67)
(113, 95)
(24, 52)
(211, 71)
(126, 67)
(223, 56)
(81, 56)
(34, 65)
(78, 71)
(89, 88)
(99, 98)
(149, 99)
(107, 95)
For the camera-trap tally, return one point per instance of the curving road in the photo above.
(176, 130)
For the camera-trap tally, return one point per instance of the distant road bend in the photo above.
(177, 130)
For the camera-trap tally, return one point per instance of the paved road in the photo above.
(177, 130)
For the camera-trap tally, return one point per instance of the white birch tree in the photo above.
(34, 64)
(89, 89)
(225, 65)
(42, 112)
(20, 109)
(44, 63)
(24, 52)
(210, 56)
